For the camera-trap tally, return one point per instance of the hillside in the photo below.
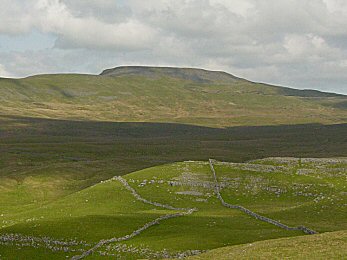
(124, 216)
(147, 94)
(43, 159)
(332, 245)
(100, 166)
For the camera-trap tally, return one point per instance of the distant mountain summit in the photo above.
(170, 95)
(202, 76)
(192, 74)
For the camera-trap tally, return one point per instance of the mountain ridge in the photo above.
(172, 95)
(194, 74)
(197, 76)
(205, 76)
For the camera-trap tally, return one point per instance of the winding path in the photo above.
(251, 213)
(141, 229)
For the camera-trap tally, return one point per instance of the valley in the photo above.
(158, 163)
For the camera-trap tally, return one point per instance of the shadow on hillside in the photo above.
(192, 142)
(85, 152)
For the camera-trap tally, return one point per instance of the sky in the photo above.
(295, 43)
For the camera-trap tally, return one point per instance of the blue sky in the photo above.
(33, 40)
(297, 43)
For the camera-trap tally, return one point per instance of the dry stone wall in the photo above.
(20, 241)
(141, 229)
(257, 167)
(251, 213)
(139, 198)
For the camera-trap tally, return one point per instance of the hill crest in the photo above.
(203, 76)
(192, 74)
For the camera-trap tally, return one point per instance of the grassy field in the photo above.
(108, 210)
(298, 193)
(323, 246)
(158, 97)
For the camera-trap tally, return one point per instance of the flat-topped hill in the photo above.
(203, 76)
(191, 74)
(172, 95)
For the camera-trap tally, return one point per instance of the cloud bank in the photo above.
(298, 43)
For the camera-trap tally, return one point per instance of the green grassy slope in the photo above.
(153, 95)
(323, 246)
(108, 210)
(43, 160)
(102, 211)
(300, 192)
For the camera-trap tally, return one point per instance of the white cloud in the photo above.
(305, 45)
(89, 32)
(4, 73)
(336, 6)
(72, 29)
(13, 16)
(269, 40)
(239, 7)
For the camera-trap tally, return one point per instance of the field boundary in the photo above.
(141, 229)
(251, 213)
(139, 198)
